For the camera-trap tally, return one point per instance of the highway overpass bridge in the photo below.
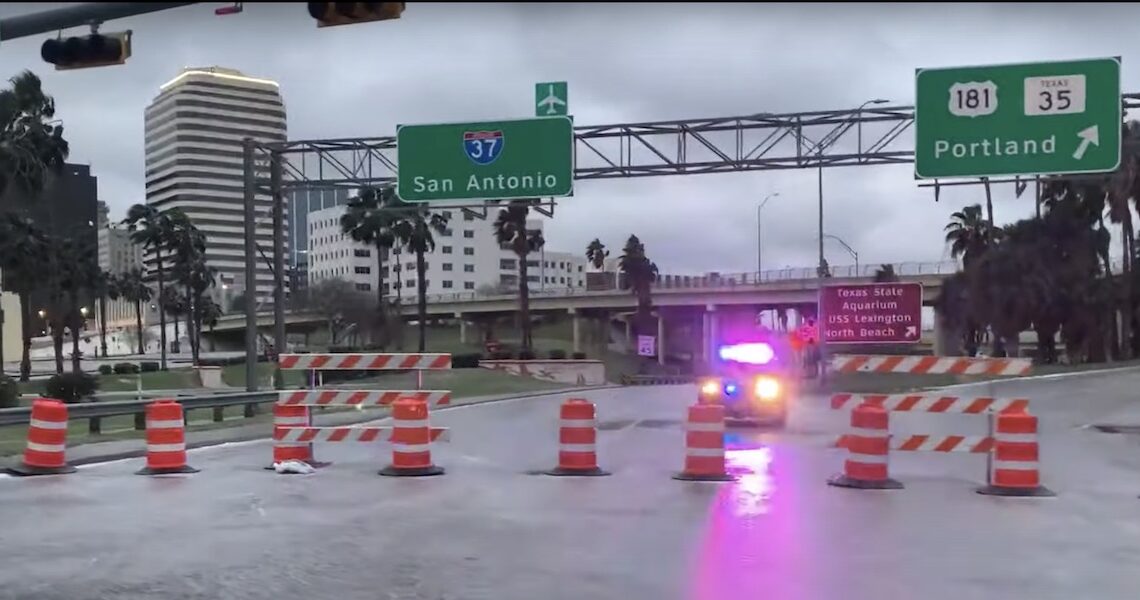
(686, 306)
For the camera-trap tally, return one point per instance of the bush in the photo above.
(148, 367)
(221, 362)
(557, 355)
(9, 392)
(579, 356)
(501, 355)
(465, 361)
(125, 368)
(105, 370)
(72, 388)
(526, 355)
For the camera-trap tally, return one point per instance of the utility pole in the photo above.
(250, 266)
(278, 266)
(759, 239)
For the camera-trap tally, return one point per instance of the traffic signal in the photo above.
(329, 14)
(95, 50)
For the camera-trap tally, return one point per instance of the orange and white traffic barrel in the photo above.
(868, 444)
(46, 450)
(1013, 470)
(577, 440)
(704, 445)
(165, 440)
(292, 416)
(411, 441)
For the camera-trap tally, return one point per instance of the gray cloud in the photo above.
(625, 63)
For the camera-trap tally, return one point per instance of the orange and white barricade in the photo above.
(1013, 471)
(868, 451)
(933, 365)
(577, 440)
(293, 431)
(165, 440)
(704, 445)
(46, 450)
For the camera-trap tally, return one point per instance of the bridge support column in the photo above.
(628, 333)
(946, 342)
(576, 329)
(462, 328)
(660, 338)
(711, 335)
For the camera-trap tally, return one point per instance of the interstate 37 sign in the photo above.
(872, 313)
(523, 158)
(1026, 119)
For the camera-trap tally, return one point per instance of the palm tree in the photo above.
(133, 288)
(31, 140)
(414, 231)
(596, 254)
(207, 313)
(153, 230)
(173, 303)
(640, 275)
(369, 219)
(511, 231)
(886, 274)
(23, 260)
(968, 234)
(103, 288)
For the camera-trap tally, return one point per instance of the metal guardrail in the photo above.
(657, 379)
(95, 412)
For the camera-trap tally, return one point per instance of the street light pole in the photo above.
(846, 247)
(759, 239)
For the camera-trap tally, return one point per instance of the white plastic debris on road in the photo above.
(293, 467)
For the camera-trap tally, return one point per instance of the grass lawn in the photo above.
(157, 380)
(463, 383)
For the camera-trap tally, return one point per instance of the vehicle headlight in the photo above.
(767, 388)
(710, 387)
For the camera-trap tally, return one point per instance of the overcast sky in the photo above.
(624, 63)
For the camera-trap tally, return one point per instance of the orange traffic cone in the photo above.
(704, 445)
(293, 416)
(165, 440)
(411, 441)
(46, 452)
(868, 448)
(577, 440)
(1014, 468)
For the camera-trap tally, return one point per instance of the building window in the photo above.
(508, 264)
(579, 268)
(561, 280)
(468, 251)
(446, 266)
(387, 288)
(447, 284)
(468, 217)
(468, 285)
(410, 266)
(364, 287)
(532, 263)
(532, 278)
(445, 249)
(363, 270)
(411, 283)
(468, 268)
(447, 214)
(446, 232)
(384, 271)
(468, 233)
(361, 252)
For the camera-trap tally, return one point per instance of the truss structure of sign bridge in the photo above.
(870, 135)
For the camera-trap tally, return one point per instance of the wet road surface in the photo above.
(489, 530)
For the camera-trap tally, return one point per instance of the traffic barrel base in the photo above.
(682, 476)
(394, 471)
(25, 470)
(861, 484)
(411, 441)
(166, 470)
(1034, 492)
(45, 453)
(577, 441)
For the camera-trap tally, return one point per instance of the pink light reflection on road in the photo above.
(752, 547)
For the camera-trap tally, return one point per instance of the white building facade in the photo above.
(466, 259)
(194, 130)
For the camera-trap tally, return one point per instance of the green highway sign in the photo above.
(1025, 119)
(551, 99)
(524, 158)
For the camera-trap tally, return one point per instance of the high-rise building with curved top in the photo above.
(194, 130)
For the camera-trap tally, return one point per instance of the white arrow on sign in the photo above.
(912, 331)
(1088, 136)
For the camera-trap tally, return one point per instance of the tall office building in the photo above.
(194, 131)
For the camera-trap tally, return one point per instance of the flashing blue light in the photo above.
(730, 389)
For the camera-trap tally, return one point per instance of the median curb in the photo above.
(265, 435)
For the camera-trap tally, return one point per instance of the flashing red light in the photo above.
(228, 10)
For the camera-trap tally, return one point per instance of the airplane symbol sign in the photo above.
(551, 99)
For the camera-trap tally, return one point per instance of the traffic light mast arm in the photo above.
(75, 16)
